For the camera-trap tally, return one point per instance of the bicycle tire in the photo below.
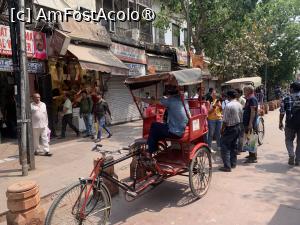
(199, 172)
(53, 211)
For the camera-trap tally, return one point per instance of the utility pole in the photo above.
(17, 32)
(188, 24)
(23, 87)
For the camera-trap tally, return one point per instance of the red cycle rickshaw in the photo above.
(89, 202)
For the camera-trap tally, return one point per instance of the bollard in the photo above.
(271, 106)
(113, 188)
(23, 202)
(266, 108)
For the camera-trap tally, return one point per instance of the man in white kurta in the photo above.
(40, 125)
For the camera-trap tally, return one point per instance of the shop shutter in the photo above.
(120, 101)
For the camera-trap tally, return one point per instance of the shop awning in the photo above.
(98, 59)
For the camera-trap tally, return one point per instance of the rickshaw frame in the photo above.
(190, 157)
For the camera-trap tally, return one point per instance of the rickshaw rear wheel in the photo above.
(200, 172)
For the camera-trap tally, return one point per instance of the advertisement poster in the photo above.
(35, 43)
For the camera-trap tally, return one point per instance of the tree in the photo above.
(279, 26)
(212, 21)
(243, 56)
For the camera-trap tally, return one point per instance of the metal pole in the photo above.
(266, 78)
(23, 88)
(188, 23)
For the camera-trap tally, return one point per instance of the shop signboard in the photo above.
(6, 65)
(161, 64)
(35, 43)
(136, 69)
(198, 61)
(59, 42)
(129, 54)
(182, 57)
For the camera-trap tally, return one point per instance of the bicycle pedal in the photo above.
(132, 194)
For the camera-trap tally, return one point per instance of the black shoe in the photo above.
(225, 169)
(85, 136)
(109, 136)
(48, 154)
(249, 160)
(297, 163)
(78, 134)
(247, 157)
(291, 161)
(233, 166)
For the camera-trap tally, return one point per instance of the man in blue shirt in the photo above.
(176, 122)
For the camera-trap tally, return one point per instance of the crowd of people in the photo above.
(231, 117)
(93, 109)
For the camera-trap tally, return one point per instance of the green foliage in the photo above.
(243, 36)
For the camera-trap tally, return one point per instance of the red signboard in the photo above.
(129, 54)
(35, 43)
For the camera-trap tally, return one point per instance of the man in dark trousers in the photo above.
(233, 117)
(86, 108)
(290, 107)
(250, 117)
(100, 109)
(68, 116)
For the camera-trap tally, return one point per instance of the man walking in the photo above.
(291, 107)
(68, 117)
(100, 109)
(242, 101)
(86, 107)
(250, 117)
(40, 126)
(233, 116)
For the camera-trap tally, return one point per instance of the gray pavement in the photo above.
(266, 193)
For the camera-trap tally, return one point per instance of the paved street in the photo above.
(266, 193)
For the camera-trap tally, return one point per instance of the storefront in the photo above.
(81, 59)
(36, 53)
(118, 96)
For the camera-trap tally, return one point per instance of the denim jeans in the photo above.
(229, 145)
(214, 130)
(101, 124)
(290, 135)
(88, 121)
(158, 131)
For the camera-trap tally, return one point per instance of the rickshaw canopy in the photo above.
(183, 77)
(255, 81)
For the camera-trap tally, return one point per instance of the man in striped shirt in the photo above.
(233, 117)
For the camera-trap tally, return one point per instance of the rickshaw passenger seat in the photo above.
(184, 138)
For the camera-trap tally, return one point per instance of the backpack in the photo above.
(294, 120)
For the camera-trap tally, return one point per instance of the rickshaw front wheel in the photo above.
(200, 172)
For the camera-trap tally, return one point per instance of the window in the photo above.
(159, 36)
(122, 27)
(108, 5)
(185, 36)
(175, 35)
(145, 27)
